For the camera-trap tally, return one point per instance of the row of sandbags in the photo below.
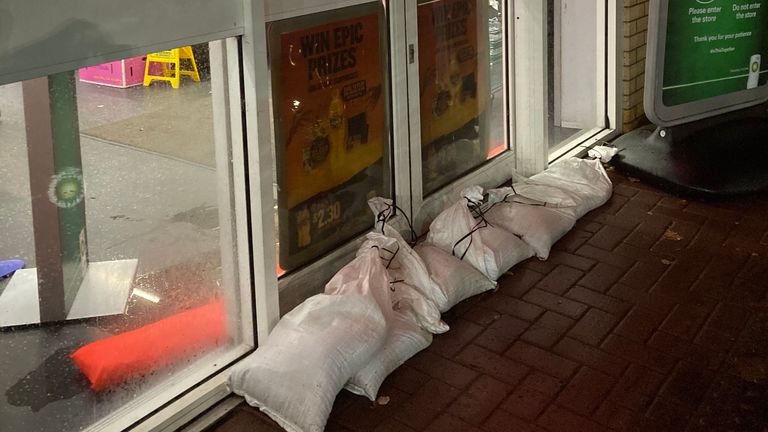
(384, 306)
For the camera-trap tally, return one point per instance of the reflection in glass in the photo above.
(151, 274)
(460, 87)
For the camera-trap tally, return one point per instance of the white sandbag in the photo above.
(539, 227)
(295, 375)
(425, 311)
(404, 340)
(528, 191)
(409, 279)
(507, 250)
(456, 279)
(456, 224)
(489, 249)
(585, 180)
(536, 224)
(364, 275)
(407, 265)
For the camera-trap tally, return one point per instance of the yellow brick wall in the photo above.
(633, 75)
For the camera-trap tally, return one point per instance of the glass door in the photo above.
(460, 88)
(330, 86)
(567, 69)
(576, 78)
(459, 92)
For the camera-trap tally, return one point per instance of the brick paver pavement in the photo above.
(650, 315)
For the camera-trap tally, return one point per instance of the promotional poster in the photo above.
(329, 97)
(453, 75)
(714, 47)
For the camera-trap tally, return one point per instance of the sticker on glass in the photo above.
(66, 189)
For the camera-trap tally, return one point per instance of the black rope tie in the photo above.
(393, 282)
(477, 212)
(390, 259)
(515, 201)
(478, 226)
(389, 263)
(386, 214)
(381, 218)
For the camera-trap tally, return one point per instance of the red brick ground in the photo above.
(651, 315)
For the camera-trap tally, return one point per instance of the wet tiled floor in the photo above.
(651, 315)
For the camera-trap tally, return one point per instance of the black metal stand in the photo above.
(721, 156)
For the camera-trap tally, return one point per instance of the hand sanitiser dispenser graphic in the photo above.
(754, 71)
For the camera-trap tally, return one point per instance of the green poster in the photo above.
(714, 47)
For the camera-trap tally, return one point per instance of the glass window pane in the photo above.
(461, 55)
(574, 97)
(15, 205)
(130, 266)
(332, 126)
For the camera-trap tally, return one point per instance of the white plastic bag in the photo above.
(409, 279)
(534, 222)
(404, 339)
(316, 348)
(604, 153)
(489, 249)
(456, 279)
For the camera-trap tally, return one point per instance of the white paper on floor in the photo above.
(604, 153)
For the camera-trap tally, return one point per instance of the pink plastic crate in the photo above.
(122, 73)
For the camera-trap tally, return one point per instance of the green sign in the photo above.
(714, 47)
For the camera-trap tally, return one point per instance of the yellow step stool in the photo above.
(171, 58)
